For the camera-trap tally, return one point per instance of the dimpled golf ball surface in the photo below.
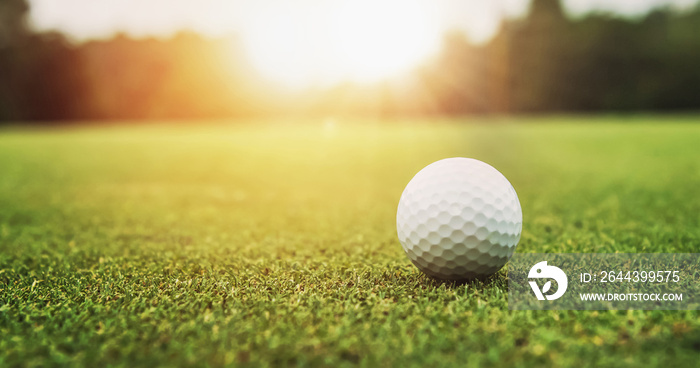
(459, 218)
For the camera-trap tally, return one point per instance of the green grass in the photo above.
(274, 244)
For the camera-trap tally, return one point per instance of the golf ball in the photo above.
(459, 218)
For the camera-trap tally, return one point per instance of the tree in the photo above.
(12, 33)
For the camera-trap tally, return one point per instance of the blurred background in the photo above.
(87, 60)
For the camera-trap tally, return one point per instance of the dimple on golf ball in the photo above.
(459, 218)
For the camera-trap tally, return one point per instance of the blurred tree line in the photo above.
(547, 62)
(544, 62)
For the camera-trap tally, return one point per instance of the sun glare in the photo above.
(327, 42)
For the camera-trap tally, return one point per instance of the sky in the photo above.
(89, 19)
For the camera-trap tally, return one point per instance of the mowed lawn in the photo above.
(274, 243)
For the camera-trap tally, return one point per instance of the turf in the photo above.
(269, 244)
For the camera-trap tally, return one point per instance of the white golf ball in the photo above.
(459, 218)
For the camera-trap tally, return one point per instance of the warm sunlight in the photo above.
(360, 41)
